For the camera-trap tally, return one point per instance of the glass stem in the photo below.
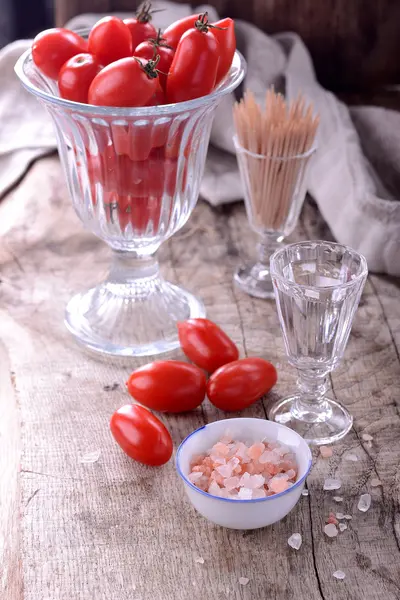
(313, 385)
(131, 270)
(266, 247)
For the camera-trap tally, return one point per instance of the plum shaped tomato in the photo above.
(53, 47)
(168, 386)
(141, 435)
(76, 75)
(126, 82)
(153, 47)
(195, 64)
(205, 344)
(224, 32)
(174, 32)
(239, 384)
(140, 26)
(110, 40)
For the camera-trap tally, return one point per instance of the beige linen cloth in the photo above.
(355, 176)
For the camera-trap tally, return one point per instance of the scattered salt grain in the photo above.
(332, 484)
(305, 492)
(339, 516)
(364, 502)
(338, 498)
(351, 457)
(243, 580)
(332, 519)
(325, 451)
(339, 575)
(347, 517)
(295, 541)
(367, 437)
(342, 527)
(90, 457)
(375, 482)
(199, 560)
(331, 530)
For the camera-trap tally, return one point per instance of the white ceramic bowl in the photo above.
(243, 514)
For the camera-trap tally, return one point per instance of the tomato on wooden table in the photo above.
(110, 40)
(195, 64)
(76, 75)
(175, 31)
(205, 344)
(168, 386)
(141, 435)
(53, 47)
(224, 32)
(140, 26)
(153, 47)
(126, 82)
(239, 384)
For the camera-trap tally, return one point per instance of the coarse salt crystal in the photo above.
(220, 448)
(256, 450)
(375, 482)
(291, 474)
(278, 484)
(351, 457)
(331, 530)
(259, 493)
(269, 457)
(199, 560)
(338, 498)
(305, 492)
(325, 451)
(332, 519)
(214, 489)
(245, 493)
(342, 527)
(367, 437)
(339, 575)
(339, 515)
(256, 481)
(90, 457)
(231, 483)
(332, 484)
(225, 470)
(193, 477)
(364, 502)
(347, 517)
(243, 580)
(295, 541)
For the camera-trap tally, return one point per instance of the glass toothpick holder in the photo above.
(274, 191)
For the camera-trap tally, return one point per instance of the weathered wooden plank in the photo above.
(121, 530)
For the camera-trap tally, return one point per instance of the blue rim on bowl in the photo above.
(241, 501)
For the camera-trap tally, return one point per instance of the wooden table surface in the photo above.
(116, 530)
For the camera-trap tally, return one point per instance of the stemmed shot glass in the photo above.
(317, 286)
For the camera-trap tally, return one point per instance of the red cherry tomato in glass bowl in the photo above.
(239, 384)
(110, 40)
(168, 386)
(76, 75)
(125, 82)
(194, 67)
(151, 48)
(158, 98)
(53, 47)
(224, 32)
(141, 435)
(140, 27)
(174, 32)
(205, 344)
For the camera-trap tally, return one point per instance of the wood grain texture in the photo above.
(118, 530)
(354, 44)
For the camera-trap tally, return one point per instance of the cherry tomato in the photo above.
(76, 75)
(227, 45)
(168, 386)
(140, 27)
(158, 98)
(174, 32)
(141, 435)
(151, 48)
(110, 40)
(53, 47)
(239, 384)
(205, 344)
(126, 82)
(194, 67)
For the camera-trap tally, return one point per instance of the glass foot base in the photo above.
(255, 280)
(125, 320)
(324, 424)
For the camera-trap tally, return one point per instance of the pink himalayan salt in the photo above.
(325, 451)
(332, 519)
(244, 471)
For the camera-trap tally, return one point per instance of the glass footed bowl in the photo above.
(134, 177)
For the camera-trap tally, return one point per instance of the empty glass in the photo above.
(317, 286)
(274, 191)
(134, 177)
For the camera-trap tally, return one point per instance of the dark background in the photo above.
(24, 18)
